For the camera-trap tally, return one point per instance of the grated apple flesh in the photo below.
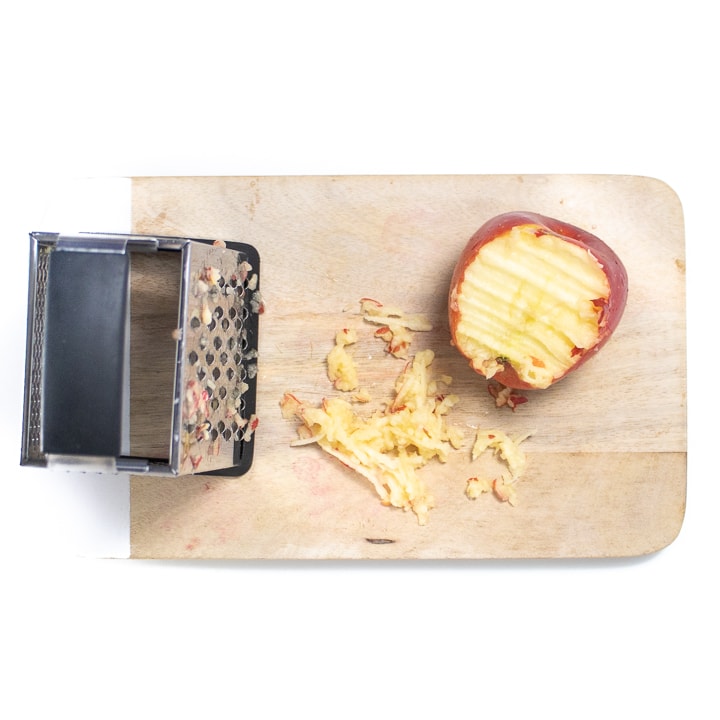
(387, 447)
(510, 451)
(341, 369)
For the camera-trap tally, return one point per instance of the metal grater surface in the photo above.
(219, 359)
(82, 355)
(32, 452)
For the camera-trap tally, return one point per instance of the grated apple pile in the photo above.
(389, 446)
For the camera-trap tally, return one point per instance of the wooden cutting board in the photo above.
(606, 475)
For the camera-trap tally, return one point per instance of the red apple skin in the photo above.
(611, 264)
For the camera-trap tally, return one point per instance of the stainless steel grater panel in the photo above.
(219, 359)
(212, 371)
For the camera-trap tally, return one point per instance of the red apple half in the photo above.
(532, 298)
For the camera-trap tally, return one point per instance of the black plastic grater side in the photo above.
(86, 310)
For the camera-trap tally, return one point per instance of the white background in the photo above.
(141, 88)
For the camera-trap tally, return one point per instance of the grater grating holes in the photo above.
(220, 358)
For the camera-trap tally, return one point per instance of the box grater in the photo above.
(141, 354)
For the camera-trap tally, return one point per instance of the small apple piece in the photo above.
(532, 298)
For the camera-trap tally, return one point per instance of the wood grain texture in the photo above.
(606, 474)
(154, 293)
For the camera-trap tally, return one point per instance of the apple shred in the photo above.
(510, 451)
(341, 368)
(396, 326)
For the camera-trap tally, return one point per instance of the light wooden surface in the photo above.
(607, 463)
(155, 288)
